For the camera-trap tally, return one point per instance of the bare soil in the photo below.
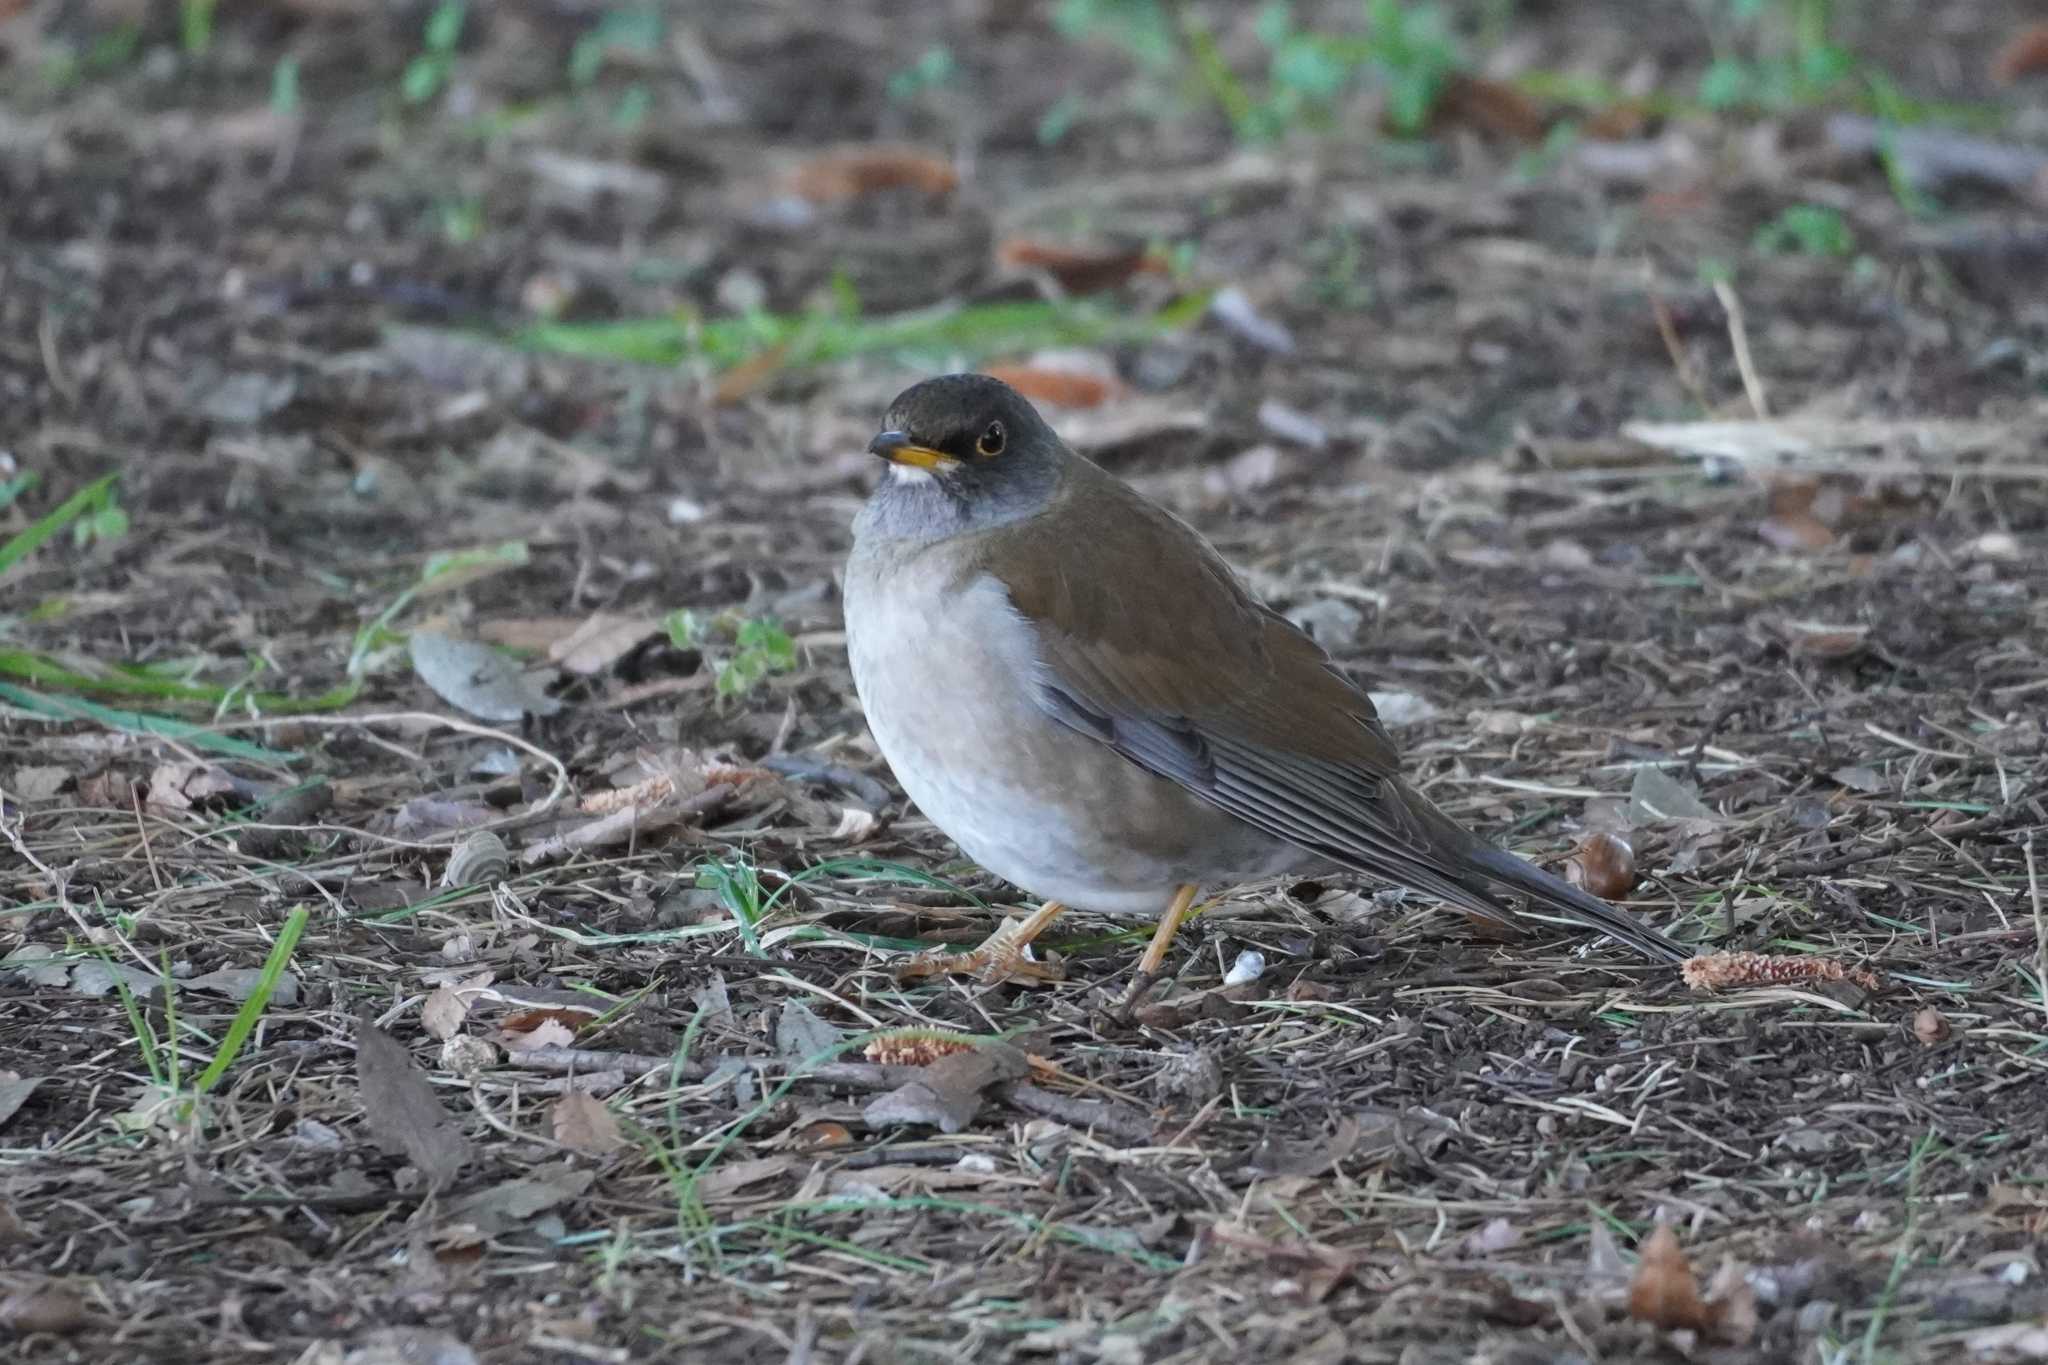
(1404, 1140)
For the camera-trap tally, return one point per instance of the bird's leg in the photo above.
(1001, 955)
(1155, 953)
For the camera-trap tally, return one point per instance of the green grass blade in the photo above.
(25, 543)
(141, 723)
(244, 1022)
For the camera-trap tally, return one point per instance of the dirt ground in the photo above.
(1642, 506)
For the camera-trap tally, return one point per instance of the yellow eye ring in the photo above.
(990, 442)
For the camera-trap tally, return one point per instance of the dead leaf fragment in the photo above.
(1057, 386)
(1490, 107)
(473, 677)
(1664, 1292)
(851, 172)
(601, 641)
(239, 983)
(1077, 270)
(45, 1308)
(14, 1092)
(37, 783)
(538, 1029)
(583, 1123)
(403, 1113)
(2024, 54)
(947, 1094)
(183, 786)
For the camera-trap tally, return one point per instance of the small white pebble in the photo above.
(975, 1163)
(684, 511)
(1249, 967)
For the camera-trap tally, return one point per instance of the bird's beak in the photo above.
(897, 448)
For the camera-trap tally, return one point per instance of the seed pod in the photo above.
(1604, 865)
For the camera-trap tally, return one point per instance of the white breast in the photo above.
(944, 678)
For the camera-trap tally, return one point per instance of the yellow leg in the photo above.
(1001, 956)
(1169, 925)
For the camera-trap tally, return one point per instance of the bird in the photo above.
(1074, 686)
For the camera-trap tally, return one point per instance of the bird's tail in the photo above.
(1568, 900)
(1472, 861)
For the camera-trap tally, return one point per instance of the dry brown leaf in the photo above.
(403, 1113)
(531, 1029)
(1063, 388)
(47, 1308)
(947, 1093)
(1818, 640)
(181, 786)
(851, 172)
(1735, 971)
(1604, 865)
(1794, 531)
(604, 639)
(824, 1133)
(749, 375)
(1664, 1292)
(1489, 107)
(1623, 121)
(527, 634)
(2024, 54)
(582, 1122)
(1077, 270)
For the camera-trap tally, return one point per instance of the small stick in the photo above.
(1681, 359)
(1113, 1119)
(2040, 926)
(1738, 337)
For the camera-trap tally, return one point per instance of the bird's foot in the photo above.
(1002, 957)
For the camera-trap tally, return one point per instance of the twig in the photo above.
(1898, 843)
(1681, 359)
(2040, 926)
(1112, 1119)
(1738, 337)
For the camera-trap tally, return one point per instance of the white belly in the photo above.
(946, 680)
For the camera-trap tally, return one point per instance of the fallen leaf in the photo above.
(1058, 387)
(602, 641)
(545, 1030)
(401, 1109)
(1656, 796)
(443, 1012)
(1490, 107)
(1664, 1292)
(947, 1094)
(44, 1308)
(1818, 640)
(2024, 54)
(1795, 531)
(730, 1176)
(182, 786)
(239, 983)
(14, 1092)
(37, 784)
(824, 1133)
(801, 1035)
(97, 978)
(476, 678)
(1859, 778)
(1622, 121)
(855, 825)
(1077, 270)
(582, 1122)
(514, 1201)
(851, 172)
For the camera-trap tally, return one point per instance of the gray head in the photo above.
(964, 451)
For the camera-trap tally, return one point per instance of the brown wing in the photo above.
(1157, 650)
(1195, 680)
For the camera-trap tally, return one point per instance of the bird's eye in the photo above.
(990, 442)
